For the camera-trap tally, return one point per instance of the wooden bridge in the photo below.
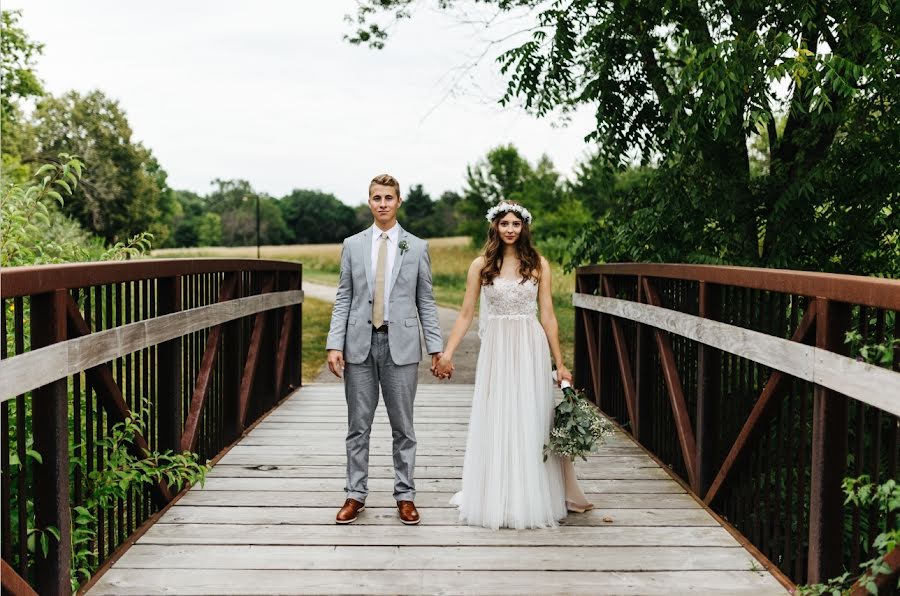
(725, 384)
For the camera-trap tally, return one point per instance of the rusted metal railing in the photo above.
(738, 380)
(196, 349)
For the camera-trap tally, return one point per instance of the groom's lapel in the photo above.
(398, 260)
(365, 257)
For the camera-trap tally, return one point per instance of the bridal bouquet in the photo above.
(578, 428)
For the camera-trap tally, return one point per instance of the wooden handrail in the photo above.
(59, 360)
(873, 385)
(854, 289)
(28, 281)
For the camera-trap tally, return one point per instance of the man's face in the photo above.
(384, 202)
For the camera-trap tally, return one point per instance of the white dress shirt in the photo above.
(393, 239)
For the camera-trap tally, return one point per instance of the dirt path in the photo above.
(464, 360)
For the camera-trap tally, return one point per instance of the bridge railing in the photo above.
(741, 381)
(195, 349)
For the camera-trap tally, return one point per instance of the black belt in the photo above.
(382, 329)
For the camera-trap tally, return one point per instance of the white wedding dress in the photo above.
(506, 482)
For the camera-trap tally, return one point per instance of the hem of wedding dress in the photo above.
(456, 500)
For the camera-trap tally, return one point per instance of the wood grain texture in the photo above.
(432, 516)
(264, 524)
(487, 558)
(230, 581)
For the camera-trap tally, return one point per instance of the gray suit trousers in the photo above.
(398, 389)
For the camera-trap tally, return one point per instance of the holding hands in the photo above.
(442, 365)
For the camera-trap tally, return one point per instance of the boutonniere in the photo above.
(403, 246)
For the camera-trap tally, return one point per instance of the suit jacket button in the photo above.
(370, 321)
(370, 302)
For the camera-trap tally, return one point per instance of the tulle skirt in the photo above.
(506, 481)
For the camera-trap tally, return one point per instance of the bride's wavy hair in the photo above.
(529, 258)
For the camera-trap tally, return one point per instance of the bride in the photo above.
(506, 482)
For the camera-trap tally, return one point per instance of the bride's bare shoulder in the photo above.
(477, 263)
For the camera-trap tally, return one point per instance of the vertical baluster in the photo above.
(147, 413)
(5, 493)
(97, 452)
(829, 453)
(120, 380)
(110, 306)
(778, 330)
(21, 492)
(708, 396)
(50, 428)
(88, 451)
(893, 428)
(877, 424)
(138, 397)
(859, 431)
(167, 369)
(77, 423)
(217, 373)
(128, 393)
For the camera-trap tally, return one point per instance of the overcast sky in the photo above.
(268, 91)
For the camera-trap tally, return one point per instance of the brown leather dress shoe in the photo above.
(349, 512)
(408, 513)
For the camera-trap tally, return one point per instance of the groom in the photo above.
(383, 293)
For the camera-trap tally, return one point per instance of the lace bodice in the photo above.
(508, 298)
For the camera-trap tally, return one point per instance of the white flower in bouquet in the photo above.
(578, 428)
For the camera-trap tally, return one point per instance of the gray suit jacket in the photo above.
(411, 300)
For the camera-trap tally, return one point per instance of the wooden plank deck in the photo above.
(264, 522)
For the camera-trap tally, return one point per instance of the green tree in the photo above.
(208, 227)
(417, 213)
(194, 224)
(34, 232)
(315, 217)
(688, 86)
(239, 225)
(122, 192)
(446, 213)
(234, 201)
(602, 187)
(17, 64)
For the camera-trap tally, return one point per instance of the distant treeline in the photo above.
(227, 216)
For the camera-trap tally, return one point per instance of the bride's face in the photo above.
(510, 228)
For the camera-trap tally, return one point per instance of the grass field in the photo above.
(316, 318)
(450, 260)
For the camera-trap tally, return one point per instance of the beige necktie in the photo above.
(378, 303)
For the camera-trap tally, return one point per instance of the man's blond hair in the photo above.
(384, 180)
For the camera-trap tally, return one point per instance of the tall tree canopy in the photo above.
(124, 189)
(17, 70)
(691, 87)
(315, 217)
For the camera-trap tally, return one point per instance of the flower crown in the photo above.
(504, 207)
